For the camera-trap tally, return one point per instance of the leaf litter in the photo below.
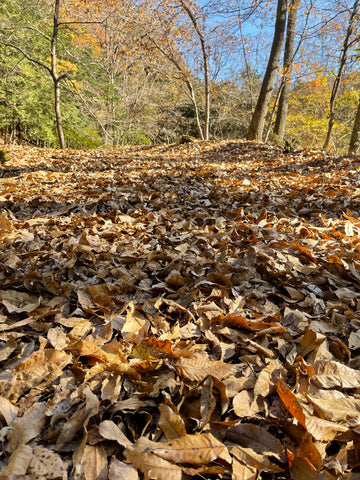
(181, 311)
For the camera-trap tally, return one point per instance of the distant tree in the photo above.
(52, 69)
(205, 60)
(177, 30)
(349, 42)
(281, 114)
(355, 134)
(257, 123)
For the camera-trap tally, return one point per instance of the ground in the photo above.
(182, 311)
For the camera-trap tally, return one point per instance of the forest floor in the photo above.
(182, 311)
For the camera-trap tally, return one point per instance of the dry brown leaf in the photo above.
(335, 375)
(243, 404)
(111, 388)
(136, 325)
(198, 449)
(335, 409)
(8, 410)
(323, 430)
(354, 340)
(198, 368)
(19, 302)
(47, 463)
(308, 451)
(203, 470)
(151, 465)
(256, 438)
(242, 471)
(171, 423)
(45, 365)
(302, 470)
(122, 471)
(111, 431)
(95, 463)
(28, 426)
(291, 402)
(117, 367)
(265, 383)
(27, 321)
(260, 462)
(79, 419)
(57, 338)
(19, 461)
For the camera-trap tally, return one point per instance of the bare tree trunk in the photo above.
(272, 114)
(57, 78)
(355, 135)
(281, 114)
(206, 68)
(343, 58)
(258, 119)
(59, 126)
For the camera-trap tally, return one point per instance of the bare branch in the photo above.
(32, 60)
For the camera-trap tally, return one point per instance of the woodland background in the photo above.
(148, 72)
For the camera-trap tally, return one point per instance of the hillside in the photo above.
(181, 311)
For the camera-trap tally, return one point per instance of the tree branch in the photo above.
(32, 60)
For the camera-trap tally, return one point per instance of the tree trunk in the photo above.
(355, 135)
(58, 117)
(206, 69)
(281, 114)
(57, 78)
(258, 119)
(344, 53)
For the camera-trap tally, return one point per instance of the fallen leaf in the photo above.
(198, 368)
(27, 427)
(256, 438)
(8, 410)
(47, 463)
(111, 431)
(19, 461)
(122, 471)
(335, 375)
(79, 419)
(19, 302)
(151, 465)
(194, 449)
(171, 423)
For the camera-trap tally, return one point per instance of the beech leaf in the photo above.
(197, 449)
(198, 368)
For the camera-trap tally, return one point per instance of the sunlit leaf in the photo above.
(198, 368)
(171, 422)
(195, 449)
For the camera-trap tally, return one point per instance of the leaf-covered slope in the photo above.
(178, 311)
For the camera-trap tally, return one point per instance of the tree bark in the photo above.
(281, 114)
(343, 58)
(355, 135)
(205, 56)
(57, 78)
(256, 127)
